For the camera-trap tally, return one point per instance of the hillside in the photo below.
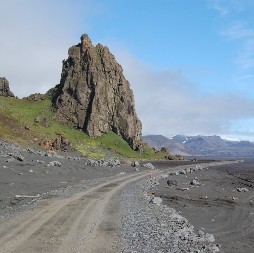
(201, 145)
(30, 122)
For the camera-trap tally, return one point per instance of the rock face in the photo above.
(4, 88)
(94, 95)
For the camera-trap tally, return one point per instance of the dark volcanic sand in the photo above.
(216, 206)
(33, 180)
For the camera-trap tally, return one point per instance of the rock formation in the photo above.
(94, 95)
(4, 88)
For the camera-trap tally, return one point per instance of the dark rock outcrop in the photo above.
(35, 97)
(94, 95)
(4, 88)
(61, 143)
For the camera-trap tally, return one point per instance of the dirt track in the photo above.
(86, 222)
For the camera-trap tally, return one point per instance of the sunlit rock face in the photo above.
(94, 95)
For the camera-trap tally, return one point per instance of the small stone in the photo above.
(183, 189)
(149, 166)
(244, 189)
(172, 182)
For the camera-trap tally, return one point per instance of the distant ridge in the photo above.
(201, 145)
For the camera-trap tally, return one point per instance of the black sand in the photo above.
(216, 206)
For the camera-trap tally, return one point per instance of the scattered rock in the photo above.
(149, 166)
(46, 144)
(244, 189)
(54, 163)
(61, 143)
(27, 127)
(39, 161)
(156, 200)
(172, 182)
(195, 182)
(35, 97)
(110, 162)
(45, 122)
(37, 119)
(164, 150)
(182, 172)
(10, 160)
(17, 157)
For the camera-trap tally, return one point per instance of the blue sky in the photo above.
(189, 62)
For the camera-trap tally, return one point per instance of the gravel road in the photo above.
(86, 222)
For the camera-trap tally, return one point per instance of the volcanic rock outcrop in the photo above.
(94, 95)
(4, 88)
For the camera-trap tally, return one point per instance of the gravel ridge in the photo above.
(150, 227)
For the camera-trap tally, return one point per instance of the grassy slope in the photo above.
(18, 114)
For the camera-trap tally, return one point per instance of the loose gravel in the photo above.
(150, 227)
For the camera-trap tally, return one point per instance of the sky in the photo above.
(190, 63)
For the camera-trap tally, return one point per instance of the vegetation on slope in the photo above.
(27, 123)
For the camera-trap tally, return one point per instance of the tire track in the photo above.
(68, 225)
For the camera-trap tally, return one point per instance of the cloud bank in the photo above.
(169, 104)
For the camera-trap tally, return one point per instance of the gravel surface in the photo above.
(152, 227)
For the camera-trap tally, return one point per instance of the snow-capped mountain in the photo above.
(202, 145)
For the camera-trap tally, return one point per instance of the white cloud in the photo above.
(169, 104)
(34, 40)
(218, 6)
(240, 32)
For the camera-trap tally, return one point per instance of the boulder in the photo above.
(61, 143)
(135, 164)
(149, 166)
(195, 182)
(93, 94)
(172, 182)
(244, 189)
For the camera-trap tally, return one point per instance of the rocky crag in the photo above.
(4, 88)
(94, 95)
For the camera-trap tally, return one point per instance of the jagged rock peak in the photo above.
(85, 40)
(4, 88)
(94, 95)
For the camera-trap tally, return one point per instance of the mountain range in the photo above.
(213, 146)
